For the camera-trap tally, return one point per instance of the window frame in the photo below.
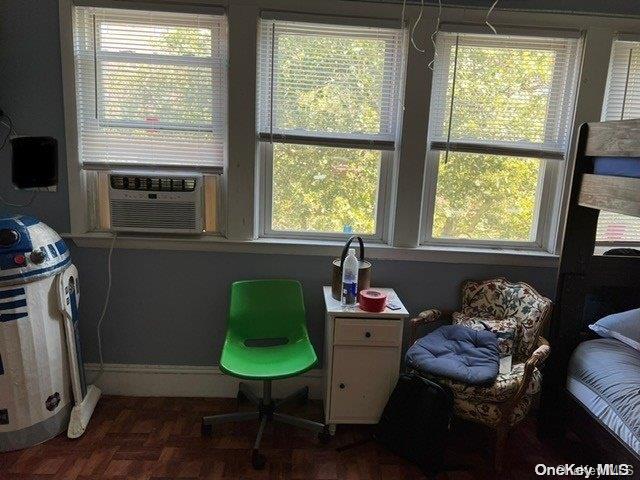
(388, 145)
(218, 63)
(544, 198)
(551, 169)
(387, 159)
(86, 178)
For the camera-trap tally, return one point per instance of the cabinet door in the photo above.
(362, 380)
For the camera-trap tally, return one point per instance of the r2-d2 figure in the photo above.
(42, 387)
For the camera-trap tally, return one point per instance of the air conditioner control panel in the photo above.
(152, 183)
(161, 196)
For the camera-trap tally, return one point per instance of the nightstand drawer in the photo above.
(358, 331)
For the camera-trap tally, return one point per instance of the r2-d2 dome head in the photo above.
(29, 250)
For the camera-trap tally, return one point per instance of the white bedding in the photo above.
(604, 375)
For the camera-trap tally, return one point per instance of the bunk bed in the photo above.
(589, 285)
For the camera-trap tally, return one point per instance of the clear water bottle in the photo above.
(350, 268)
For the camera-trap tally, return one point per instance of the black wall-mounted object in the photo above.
(34, 162)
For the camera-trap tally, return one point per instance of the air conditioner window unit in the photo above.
(158, 202)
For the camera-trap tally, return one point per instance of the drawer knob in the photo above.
(367, 334)
(342, 386)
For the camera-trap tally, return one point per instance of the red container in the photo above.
(372, 300)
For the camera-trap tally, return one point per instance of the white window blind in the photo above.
(616, 228)
(150, 88)
(478, 107)
(621, 102)
(328, 83)
(622, 98)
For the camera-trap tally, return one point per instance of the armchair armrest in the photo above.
(426, 317)
(536, 359)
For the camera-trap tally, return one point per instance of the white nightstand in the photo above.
(361, 360)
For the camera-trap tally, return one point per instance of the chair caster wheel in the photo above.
(206, 430)
(324, 436)
(304, 399)
(258, 460)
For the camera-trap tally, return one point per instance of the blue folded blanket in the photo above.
(459, 353)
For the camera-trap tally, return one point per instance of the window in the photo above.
(500, 123)
(621, 102)
(150, 89)
(327, 122)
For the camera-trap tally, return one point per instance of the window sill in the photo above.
(439, 254)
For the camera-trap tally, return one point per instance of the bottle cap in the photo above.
(352, 251)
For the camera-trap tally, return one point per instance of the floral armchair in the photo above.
(517, 313)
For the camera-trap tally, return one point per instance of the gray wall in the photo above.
(169, 307)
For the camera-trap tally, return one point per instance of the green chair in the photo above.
(266, 340)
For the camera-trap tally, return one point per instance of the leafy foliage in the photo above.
(327, 189)
(324, 189)
(501, 95)
(486, 197)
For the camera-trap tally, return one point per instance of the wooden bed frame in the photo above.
(583, 274)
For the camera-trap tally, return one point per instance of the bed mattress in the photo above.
(617, 166)
(604, 376)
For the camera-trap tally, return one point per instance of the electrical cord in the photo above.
(431, 64)
(104, 309)
(413, 29)
(415, 24)
(486, 20)
(402, 19)
(9, 126)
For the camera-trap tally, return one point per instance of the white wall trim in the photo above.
(187, 381)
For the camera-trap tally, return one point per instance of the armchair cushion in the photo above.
(499, 300)
(505, 329)
(457, 352)
(503, 389)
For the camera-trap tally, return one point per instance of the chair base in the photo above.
(266, 412)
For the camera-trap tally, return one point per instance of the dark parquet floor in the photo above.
(159, 438)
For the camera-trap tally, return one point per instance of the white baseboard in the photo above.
(186, 381)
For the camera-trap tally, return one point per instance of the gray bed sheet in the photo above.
(604, 375)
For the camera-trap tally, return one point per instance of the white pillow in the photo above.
(624, 326)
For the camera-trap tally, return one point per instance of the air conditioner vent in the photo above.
(160, 202)
(153, 215)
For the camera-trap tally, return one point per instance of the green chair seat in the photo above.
(261, 363)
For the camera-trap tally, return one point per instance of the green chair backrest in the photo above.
(267, 309)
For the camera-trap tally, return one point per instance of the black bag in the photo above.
(415, 422)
